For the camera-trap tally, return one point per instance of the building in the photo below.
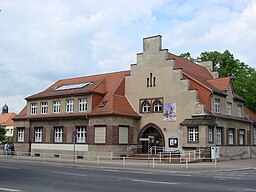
(6, 120)
(174, 103)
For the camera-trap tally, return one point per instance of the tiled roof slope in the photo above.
(202, 75)
(251, 115)
(109, 85)
(6, 119)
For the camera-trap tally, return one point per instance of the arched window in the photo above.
(158, 107)
(145, 107)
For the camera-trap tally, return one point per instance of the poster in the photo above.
(170, 112)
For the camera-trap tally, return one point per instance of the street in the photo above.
(30, 177)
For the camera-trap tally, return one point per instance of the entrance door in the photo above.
(155, 139)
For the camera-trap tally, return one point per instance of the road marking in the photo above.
(8, 189)
(181, 175)
(72, 174)
(6, 167)
(219, 177)
(154, 182)
(250, 189)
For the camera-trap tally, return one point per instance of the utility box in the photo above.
(215, 152)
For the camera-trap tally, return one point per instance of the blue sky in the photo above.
(47, 40)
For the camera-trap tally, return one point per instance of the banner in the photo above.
(170, 112)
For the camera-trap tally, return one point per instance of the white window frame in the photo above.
(231, 136)
(81, 134)
(21, 134)
(58, 134)
(217, 105)
(218, 136)
(229, 108)
(145, 108)
(56, 107)
(193, 134)
(210, 135)
(241, 137)
(39, 135)
(83, 105)
(239, 110)
(158, 106)
(33, 108)
(70, 105)
(44, 107)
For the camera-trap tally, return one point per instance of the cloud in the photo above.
(44, 41)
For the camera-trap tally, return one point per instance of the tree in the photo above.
(243, 76)
(2, 134)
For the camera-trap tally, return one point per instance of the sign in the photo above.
(74, 133)
(144, 139)
(215, 152)
(173, 142)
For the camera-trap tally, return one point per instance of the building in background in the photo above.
(174, 103)
(6, 120)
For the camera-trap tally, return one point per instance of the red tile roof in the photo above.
(6, 119)
(251, 115)
(220, 83)
(109, 85)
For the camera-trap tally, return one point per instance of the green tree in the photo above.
(2, 134)
(244, 77)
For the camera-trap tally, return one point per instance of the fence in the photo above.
(101, 161)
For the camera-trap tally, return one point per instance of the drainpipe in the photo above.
(29, 137)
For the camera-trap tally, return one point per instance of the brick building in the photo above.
(177, 104)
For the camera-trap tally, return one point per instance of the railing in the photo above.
(161, 162)
(156, 150)
(134, 147)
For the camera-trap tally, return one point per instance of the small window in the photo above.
(218, 136)
(82, 105)
(239, 110)
(216, 105)
(241, 137)
(145, 107)
(158, 107)
(231, 136)
(103, 104)
(229, 108)
(20, 132)
(70, 106)
(33, 108)
(193, 134)
(44, 107)
(210, 135)
(56, 106)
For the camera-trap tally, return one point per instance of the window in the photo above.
(145, 108)
(100, 134)
(56, 106)
(73, 86)
(254, 135)
(58, 134)
(210, 135)
(193, 135)
(157, 106)
(38, 135)
(70, 106)
(123, 135)
(81, 134)
(218, 136)
(241, 137)
(229, 108)
(231, 136)
(102, 105)
(82, 105)
(216, 105)
(44, 108)
(239, 110)
(33, 108)
(21, 137)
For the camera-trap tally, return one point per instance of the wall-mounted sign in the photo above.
(173, 142)
(170, 112)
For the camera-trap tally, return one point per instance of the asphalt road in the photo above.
(29, 177)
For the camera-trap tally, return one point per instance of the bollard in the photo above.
(186, 163)
(153, 163)
(98, 161)
(123, 161)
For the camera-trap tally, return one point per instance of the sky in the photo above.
(43, 41)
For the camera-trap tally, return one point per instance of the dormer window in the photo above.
(103, 104)
(229, 108)
(216, 105)
(33, 108)
(44, 107)
(239, 110)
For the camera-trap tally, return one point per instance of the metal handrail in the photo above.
(134, 147)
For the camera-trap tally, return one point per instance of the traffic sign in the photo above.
(74, 133)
